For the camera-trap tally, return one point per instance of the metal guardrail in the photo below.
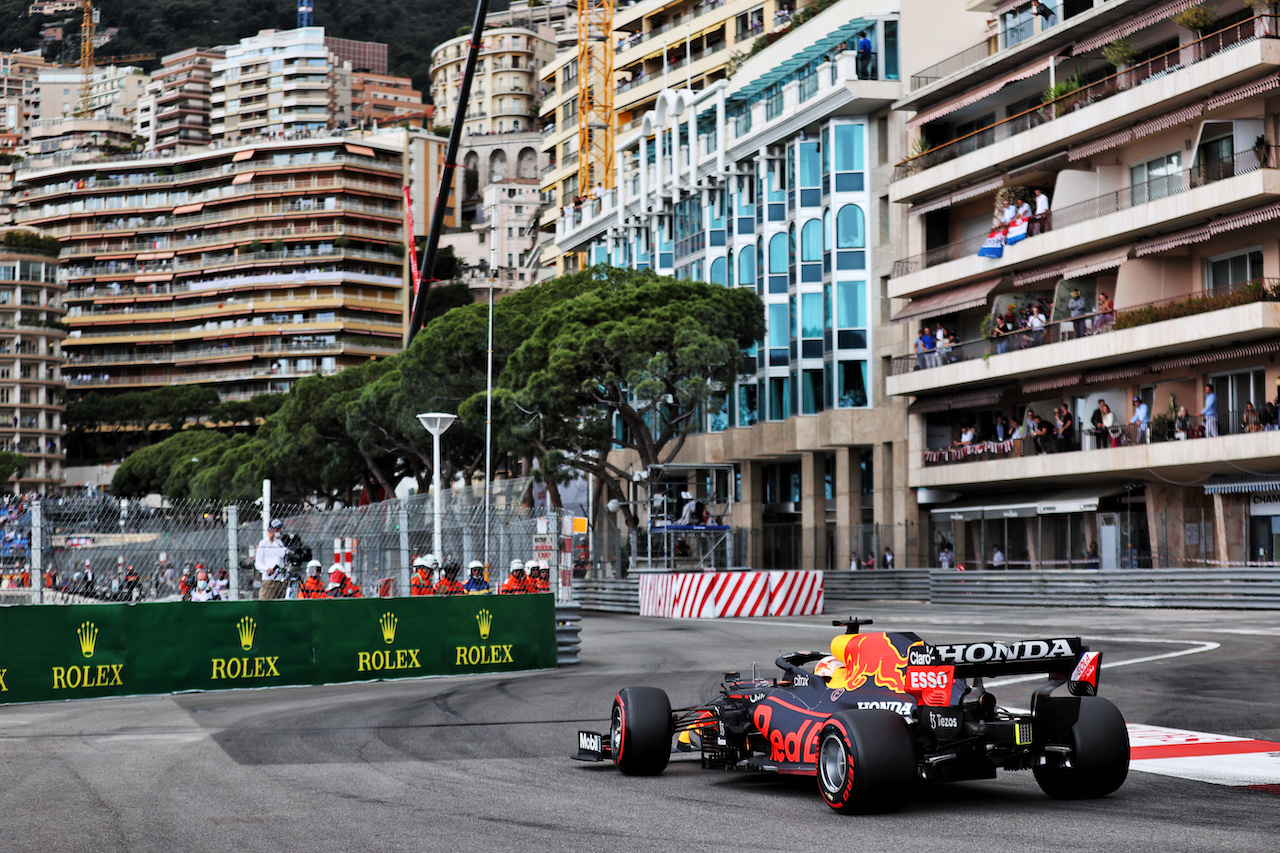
(1229, 588)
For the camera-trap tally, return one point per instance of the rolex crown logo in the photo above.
(87, 634)
(485, 620)
(388, 624)
(246, 628)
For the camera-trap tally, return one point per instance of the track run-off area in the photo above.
(484, 763)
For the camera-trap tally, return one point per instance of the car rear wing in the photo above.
(1061, 658)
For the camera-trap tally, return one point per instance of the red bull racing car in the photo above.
(882, 711)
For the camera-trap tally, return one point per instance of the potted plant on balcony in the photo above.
(1121, 53)
(1064, 96)
(1197, 19)
(1265, 20)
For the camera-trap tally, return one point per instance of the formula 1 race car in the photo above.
(882, 711)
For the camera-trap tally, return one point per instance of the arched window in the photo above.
(747, 267)
(778, 254)
(826, 230)
(851, 230)
(811, 241)
(717, 271)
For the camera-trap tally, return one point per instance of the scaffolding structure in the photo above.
(595, 95)
(690, 518)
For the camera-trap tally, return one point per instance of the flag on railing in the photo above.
(993, 246)
(1017, 231)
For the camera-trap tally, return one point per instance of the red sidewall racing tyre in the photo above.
(866, 762)
(640, 731)
(1099, 755)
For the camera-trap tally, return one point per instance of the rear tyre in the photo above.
(866, 762)
(640, 731)
(1099, 755)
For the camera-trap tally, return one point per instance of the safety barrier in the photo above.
(715, 595)
(568, 643)
(896, 584)
(81, 651)
(608, 595)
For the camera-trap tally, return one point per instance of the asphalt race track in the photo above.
(483, 763)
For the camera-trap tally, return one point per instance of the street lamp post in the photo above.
(436, 423)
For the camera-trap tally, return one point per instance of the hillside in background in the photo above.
(411, 28)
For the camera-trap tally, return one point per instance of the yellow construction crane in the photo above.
(595, 97)
(88, 61)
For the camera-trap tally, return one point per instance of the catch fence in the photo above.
(108, 549)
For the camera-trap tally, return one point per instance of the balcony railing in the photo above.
(1160, 429)
(1133, 195)
(1085, 325)
(1261, 26)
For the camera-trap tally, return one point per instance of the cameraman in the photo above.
(269, 559)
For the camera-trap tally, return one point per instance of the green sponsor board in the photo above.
(79, 651)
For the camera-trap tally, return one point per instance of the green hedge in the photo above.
(1254, 291)
(30, 241)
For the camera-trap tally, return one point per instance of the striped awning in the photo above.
(958, 195)
(949, 301)
(1053, 383)
(1096, 262)
(1097, 146)
(243, 178)
(1132, 25)
(1248, 90)
(1168, 120)
(981, 93)
(1244, 351)
(1240, 484)
(1244, 220)
(1020, 279)
(1172, 241)
(944, 403)
(188, 208)
(1118, 373)
(1045, 164)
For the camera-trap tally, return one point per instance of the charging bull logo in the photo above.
(870, 658)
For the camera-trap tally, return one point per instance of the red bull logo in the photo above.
(871, 658)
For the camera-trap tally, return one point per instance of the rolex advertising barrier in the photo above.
(81, 651)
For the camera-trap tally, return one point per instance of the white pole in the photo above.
(488, 426)
(435, 487)
(266, 506)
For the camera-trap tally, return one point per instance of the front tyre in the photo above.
(640, 731)
(866, 762)
(1099, 755)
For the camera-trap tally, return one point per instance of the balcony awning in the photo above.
(959, 195)
(1172, 241)
(925, 116)
(1248, 90)
(362, 150)
(948, 302)
(1124, 28)
(1053, 383)
(1200, 233)
(188, 208)
(1096, 262)
(168, 276)
(1244, 351)
(1127, 372)
(1240, 484)
(244, 178)
(243, 155)
(1097, 146)
(929, 405)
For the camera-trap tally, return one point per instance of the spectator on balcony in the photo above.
(1023, 211)
(1141, 417)
(1099, 428)
(1077, 306)
(1110, 424)
(1036, 323)
(1065, 430)
(1043, 10)
(1040, 218)
(1209, 413)
(1039, 429)
(1000, 334)
(1249, 420)
(864, 56)
(1182, 425)
(925, 346)
(967, 436)
(1106, 314)
(1270, 416)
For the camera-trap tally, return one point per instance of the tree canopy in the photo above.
(572, 357)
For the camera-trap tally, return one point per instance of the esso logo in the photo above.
(928, 679)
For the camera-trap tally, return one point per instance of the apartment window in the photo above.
(882, 141)
(1233, 269)
(1156, 178)
(884, 219)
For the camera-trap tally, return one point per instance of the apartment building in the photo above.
(173, 111)
(777, 179)
(505, 92)
(31, 336)
(1156, 274)
(280, 82)
(241, 268)
(381, 98)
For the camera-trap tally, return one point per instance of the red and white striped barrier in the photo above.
(716, 595)
(344, 551)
